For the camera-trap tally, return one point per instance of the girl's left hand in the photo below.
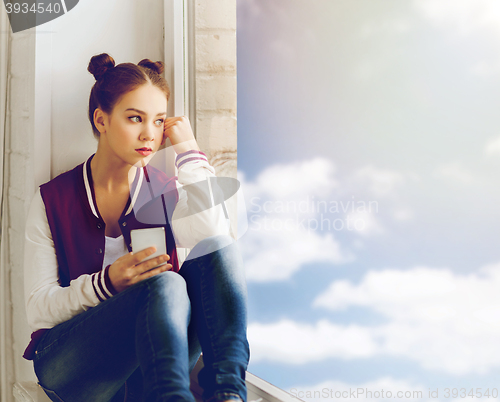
(180, 133)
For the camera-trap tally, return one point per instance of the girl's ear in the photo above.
(100, 119)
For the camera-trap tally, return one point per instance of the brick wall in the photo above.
(215, 54)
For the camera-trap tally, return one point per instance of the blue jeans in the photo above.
(150, 335)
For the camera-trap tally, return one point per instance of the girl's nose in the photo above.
(147, 135)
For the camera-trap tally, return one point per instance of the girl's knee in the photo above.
(217, 242)
(166, 279)
(210, 245)
(170, 286)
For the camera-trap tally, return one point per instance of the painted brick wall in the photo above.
(215, 55)
(215, 37)
(20, 184)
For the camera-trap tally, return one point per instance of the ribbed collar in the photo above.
(89, 188)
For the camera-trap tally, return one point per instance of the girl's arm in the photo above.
(195, 216)
(48, 303)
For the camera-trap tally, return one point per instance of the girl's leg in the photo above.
(216, 286)
(89, 357)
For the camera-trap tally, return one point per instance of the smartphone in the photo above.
(144, 238)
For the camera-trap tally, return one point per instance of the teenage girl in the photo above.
(110, 324)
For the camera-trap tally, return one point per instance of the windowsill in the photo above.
(258, 390)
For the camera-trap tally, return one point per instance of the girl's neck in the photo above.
(110, 173)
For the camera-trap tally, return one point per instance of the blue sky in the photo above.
(369, 152)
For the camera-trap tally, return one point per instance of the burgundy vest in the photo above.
(78, 229)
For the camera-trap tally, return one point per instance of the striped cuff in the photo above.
(101, 285)
(190, 156)
(107, 281)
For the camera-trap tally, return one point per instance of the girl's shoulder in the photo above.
(65, 179)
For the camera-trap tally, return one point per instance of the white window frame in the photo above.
(179, 66)
(179, 57)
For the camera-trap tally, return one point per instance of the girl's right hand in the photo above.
(128, 270)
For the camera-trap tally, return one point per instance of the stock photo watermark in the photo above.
(26, 14)
(367, 393)
(311, 214)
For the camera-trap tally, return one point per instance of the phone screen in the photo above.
(144, 238)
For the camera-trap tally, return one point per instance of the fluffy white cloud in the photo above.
(295, 211)
(296, 343)
(294, 180)
(276, 254)
(365, 223)
(284, 229)
(444, 321)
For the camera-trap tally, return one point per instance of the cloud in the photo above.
(466, 18)
(296, 210)
(274, 249)
(493, 147)
(455, 173)
(403, 214)
(463, 16)
(444, 321)
(365, 223)
(297, 343)
(380, 389)
(285, 230)
(391, 292)
(294, 180)
(380, 182)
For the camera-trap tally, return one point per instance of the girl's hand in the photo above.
(180, 133)
(128, 270)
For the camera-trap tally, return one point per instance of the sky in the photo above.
(369, 152)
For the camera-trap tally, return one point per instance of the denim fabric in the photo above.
(144, 341)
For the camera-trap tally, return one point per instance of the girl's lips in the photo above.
(145, 151)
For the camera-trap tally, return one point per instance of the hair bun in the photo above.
(157, 66)
(100, 64)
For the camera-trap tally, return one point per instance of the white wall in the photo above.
(127, 30)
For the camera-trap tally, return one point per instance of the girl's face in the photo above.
(133, 131)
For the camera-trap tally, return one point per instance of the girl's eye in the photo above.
(135, 119)
(159, 122)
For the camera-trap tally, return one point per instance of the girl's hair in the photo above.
(113, 82)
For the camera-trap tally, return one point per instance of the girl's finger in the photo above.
(152, 272)
(171, 121)
(134, 259)
(147, 265)
(175, 120)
